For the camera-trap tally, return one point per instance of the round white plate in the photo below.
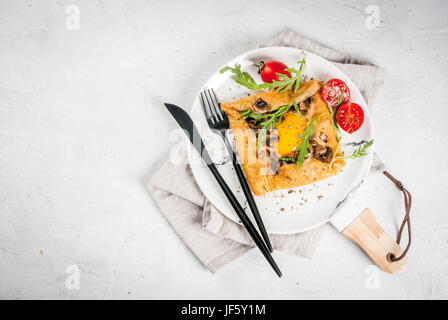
(284, 211)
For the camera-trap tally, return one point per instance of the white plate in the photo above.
(283, 211)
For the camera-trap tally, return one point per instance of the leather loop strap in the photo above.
(406, 220)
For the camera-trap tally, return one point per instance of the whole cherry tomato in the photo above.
(268, 71)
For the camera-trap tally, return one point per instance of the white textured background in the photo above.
(80, 134)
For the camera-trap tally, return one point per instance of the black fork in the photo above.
(218, 120)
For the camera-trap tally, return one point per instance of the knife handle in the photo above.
(248, 193)
(244, 218)
(377, 244)
(185, 122)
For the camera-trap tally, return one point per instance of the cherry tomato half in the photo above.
(269, 70)
(350, 117)
(332, 91)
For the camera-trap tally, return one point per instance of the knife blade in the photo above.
(352, 205)
(348, 209)
(186, 123)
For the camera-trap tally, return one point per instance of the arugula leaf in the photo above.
(265, 180)
(250, 114)
(241, 77)
(335, 126)
(333, 158)
(305, 144)
(338, 137)
(261, 134)
(296, 107)
(341, 99)
(360, 152)
(287, 83)
(245, 114)
(288, 159)
(266, 184)
(333, 122)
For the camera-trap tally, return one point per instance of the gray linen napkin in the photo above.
(215, 239)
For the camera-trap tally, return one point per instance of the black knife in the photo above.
(185, 122)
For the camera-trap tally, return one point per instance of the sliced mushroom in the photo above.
(293, 155)
(305, 105)
(274, 162)
(261, 106)
(272, 157)
(323, 136)
(253, 124)
(263, 150)
(313, 144)
(271, 137)
(324, 155)
(268, 152)
(320, 152)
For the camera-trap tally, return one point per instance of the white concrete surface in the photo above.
(80, 133)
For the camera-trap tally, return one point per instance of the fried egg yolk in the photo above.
(289, 131)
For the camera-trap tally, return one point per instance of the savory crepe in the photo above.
(280, 152)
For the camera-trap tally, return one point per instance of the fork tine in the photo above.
(216, 103)
(211, 106)
(205, 105)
